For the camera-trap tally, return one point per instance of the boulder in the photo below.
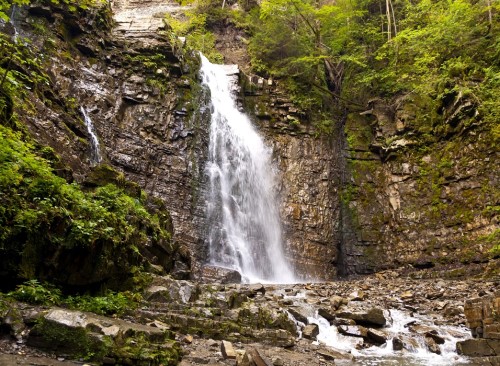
(80, 334)
(479, 347)
(376, 336)
(327, 313)
(300, 314)
(372, 317)
(210, 274)
(481, 312)
(397, 344)
(166, 290)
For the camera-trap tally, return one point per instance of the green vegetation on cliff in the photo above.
(346, 52)
(46, 223)
(97, 235)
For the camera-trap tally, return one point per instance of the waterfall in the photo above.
(242, 210)
(95, 153)
(13, 23)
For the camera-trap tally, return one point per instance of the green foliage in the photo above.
(109, 304)
(41, 213)
(33, 292)
(438, 51)
(194, 27)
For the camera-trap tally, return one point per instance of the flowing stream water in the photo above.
(95, 152)
(242, 209)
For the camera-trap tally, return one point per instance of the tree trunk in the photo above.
(388, 12)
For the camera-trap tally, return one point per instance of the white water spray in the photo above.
(244, 224)
(418, 355)
(95, 153)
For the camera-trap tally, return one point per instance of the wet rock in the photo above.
(227, 350)
(300, 314)
(427, 331)
(310, 331)
(376, 336)
(432, 346)
(372, 317)
(327, 313)
(353, 330)
(397, 344)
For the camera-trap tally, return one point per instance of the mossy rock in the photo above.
(92, 337)
(104, 174)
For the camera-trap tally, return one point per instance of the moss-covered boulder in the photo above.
(93, 337)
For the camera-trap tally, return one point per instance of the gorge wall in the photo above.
(402, 200)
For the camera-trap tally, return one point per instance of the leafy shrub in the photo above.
(33, 292)
(109, 304)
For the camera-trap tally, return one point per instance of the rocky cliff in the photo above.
(380, 196)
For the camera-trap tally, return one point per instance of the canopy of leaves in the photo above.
(433, 49)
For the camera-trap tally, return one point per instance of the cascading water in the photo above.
(244, 224)
(418, 355)
(13, 23)
(95, 153)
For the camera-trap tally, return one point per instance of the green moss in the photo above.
(142, 352)
(76, 342)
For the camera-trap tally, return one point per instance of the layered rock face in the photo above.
(418, 199)
(143, 98)
(403, 202)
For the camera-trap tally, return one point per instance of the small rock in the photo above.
(357, 296)
(407, 295)
(432, 345)
(397, 344)
(188, 339)
(334, 354)
(337, 301)
(310, 331)
(227, 350)
(258, 358)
